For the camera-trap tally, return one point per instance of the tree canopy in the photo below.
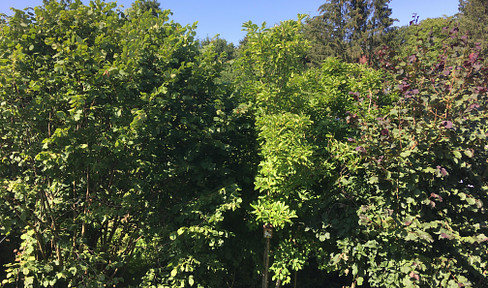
(349, 30)
(134, 155)
(474, 20)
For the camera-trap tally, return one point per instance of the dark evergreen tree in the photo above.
(380, 26)
(357, 28)
(327, 31)
(350, 30)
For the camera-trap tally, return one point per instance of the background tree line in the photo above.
(354, 30)
(134, 155)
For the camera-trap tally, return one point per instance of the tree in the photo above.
(379, 175)
(221, 46)
(474, 21)
(350, 30)
(356, 27)
(380, 27)
(424, 182)
(301, 123)
(327, 31)
(127, 157)
(115, 151)
(148, 5)
(430, 34)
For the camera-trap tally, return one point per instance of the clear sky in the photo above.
(225, 17)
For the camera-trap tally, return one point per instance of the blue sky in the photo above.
(225, 17)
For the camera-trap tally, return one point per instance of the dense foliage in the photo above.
(424, 175)
(134, 155)
(429, 34)
(350, 30)
(112, 128)
(473, 21)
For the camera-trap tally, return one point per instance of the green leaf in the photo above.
(457, 154)
(25, 271)
(373, 180)
(462, 196)
(359, 281)
(471, 200)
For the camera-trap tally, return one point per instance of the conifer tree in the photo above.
(379, 25)
(348, 29)
(357, 28)
(327, 31)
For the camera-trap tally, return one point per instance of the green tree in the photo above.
(115, 150)
(350, 30)
(327, 32)
(356, 27)
(474, 21)
(148, 5)
(380, 28)
(301, 118)
(377, 176)
(425, 189)
(221, 46)
(430, 35)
